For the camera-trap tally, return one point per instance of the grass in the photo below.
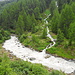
(47, 12)
(62, 50)
(4, 52)
(36, 43)
(53, 35)
(59, 51)
(35, 40)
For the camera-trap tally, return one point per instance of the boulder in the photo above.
(31, 58)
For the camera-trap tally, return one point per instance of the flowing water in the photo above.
(27, 54)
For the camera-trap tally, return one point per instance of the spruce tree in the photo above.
(25, 20)
(55, 21)
(20, 25)
(60, 37)
(33, 23)
(71, 33)
(44, 34)
(67, 17)
(52, 7)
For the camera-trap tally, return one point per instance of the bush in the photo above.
(20, 67)
(35, 38)
(4, 35)
(65, 46)
(5, 68)
(1, 36)
(1, 41)
(55, 72)
(44, 34)
(23, 37)
(27, 68)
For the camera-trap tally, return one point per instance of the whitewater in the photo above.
(27, 54)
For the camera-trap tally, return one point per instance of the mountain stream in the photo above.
(27, 54)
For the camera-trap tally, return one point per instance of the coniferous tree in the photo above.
(25, 20)
(44, 35)
(73, 7)
(52, 7)
(43, 5)
(20, 25)
(71, 33)
(37, 13)
(33, 24)
(48, 2)
(5, 19)
(60, 4)
(67, 17)
(29, 23)
(60, 37)
(55, 21)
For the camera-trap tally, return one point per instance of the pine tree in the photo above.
(44, 35)
(52, 7)
(60, 37)
(29, 23)
(33, 23)
(37, 13)
(71, 33)
(60, 4)
(20, 25)
(25, 20)
(73, 7)
(5, 19)
(67, 17)
(55, 21)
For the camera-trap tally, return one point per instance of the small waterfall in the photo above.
(48, 35)
(50, 45)
(56, 4)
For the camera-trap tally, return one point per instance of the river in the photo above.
(27, 54)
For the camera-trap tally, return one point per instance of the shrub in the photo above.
(65, 46)
(23, 37)
(44, 34)
(27, 68)
(35, 38)
(4, 35)
(55, 72)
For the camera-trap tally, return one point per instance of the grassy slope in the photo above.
(39, 44)
(59, 51)
(35, 41)
(62, 50)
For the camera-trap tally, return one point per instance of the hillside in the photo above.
(41, 25)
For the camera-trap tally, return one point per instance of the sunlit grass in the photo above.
(47, 12)
(59, 51)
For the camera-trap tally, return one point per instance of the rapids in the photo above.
(27, 54)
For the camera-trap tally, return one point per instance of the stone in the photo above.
(47, 56)
(31, 58)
